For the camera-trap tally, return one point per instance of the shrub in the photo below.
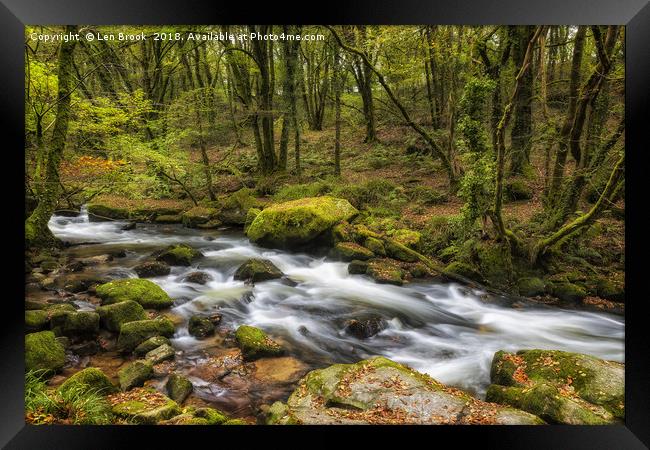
(426, 195)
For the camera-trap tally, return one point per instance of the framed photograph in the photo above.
(383, 218)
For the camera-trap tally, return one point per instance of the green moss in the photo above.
(43, 352)
(36, 320)
(375, 245)
(517, 189)
(385, 271)
(348, 251)
(357, 267)
(234, 208)
(464, 270)
(298, 222)
(211, 415)
(114, 315)
(200, 326)
(90, 379)
(178, 387)
(142, 412)
(145, 292)
(494, 262)
(568, 291)
(235, 422)
(178, 255)
(409, 238)
(254, 343)
(102, 211)
(135, 374)
(160, 354)
(437, 234)
(197, 216)
(150, 344)
(251, 214)
(169, 218)
(257, 270)
(134, 333)
(610, 290)
(531, 286)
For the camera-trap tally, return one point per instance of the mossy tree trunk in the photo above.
(37, 232)
(522, 128)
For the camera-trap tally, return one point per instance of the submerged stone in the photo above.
(256, 270)
(150, 269)
(178, 387)
(178, 255)
(254, 343)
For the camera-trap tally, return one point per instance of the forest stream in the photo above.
(443, 329)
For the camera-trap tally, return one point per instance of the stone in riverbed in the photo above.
(147, 407)
(348, 251)
(89, 380)
(113, 316)
(211, 415)
(298, 222)
(36, 320)
(380, 391)
(43, 352)
(197, 277)
(160, 354)
(135, 374)
(385, 271)
(560, 387)
(150, 344)
(178, 255)
(256, 270)
(75, 324)
(134, 333)
(200, 326)
(145, 292)
(198, 215)
(150, 269)
(178, 387)
(569, 292)
(254, 343)
(357, 267)
(364, 328)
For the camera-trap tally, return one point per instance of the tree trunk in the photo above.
(522, 127)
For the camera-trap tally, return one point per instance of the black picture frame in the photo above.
(635, 14)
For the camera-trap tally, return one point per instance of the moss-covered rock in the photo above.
(235, 422)
(169, 218)
(409, 238)
(135, 374)
(150, 269)
(101, 211)
(399, 251)
(251, 214)
(36, 320)
(74, 323)
(531, 286)
(160, 354)
(494, 262)
(145, 292)
(380, 391)
(298, 222)
(568, 291)
(213, 416)
(114, 315)
(560, 387)
(348, 251)
(43, 352)
(148, 407)
(254, 343)
(178, 255)
(385, 271)
(200, 327)
(357, 267)
(610, 290)
(134, 333)
(257, 270)
(184, 419)
(198, 215)
(178, 387)
(90, 380)
(150, 344)
(375, 245)
(234, 207)
(464, 270)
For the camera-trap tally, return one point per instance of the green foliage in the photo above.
(477, 187)
(473, 108)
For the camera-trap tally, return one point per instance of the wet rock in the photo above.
(145, 292)
(148, 407)
(160, 354)
(569, 292)
(150, 344)
(178, 387)
(150, 269)
(380, 391)
(256, 270)
(357, 267)
(134, 333)
(75, 324)
(113, 316)
(96, 260)
(211, 415)
(169, 218)
(36, 320)
(531, 286)
(385, 271)
(83, 284)
(75, 266)
(298, 222)
(364, 328)
(85, 348)
(135, 374)
(198, 215)
(43, 352)
(254, 343)
(200, 327)
(198, 277)
(178, 255)
(560, 387)
(464, 270)
(89, 380)
(348, 251)
(128, 227)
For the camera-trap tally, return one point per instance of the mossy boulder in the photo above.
(569, 292)
(399, 251)
(200, 327)
(169, 218)
(161, 353)
(135, 374)
(184, 419)
(199, 215)
(100, 211)
(178, 255)
(531, 286)
(254, 343)
(134, 333)
(211, 415)
(381, 391)
(560, 387)
(357, 267)
(114, 315)
(375, 245)
(610, 290)
(36, 320)
(178, 387)
(494, 262)
(517, 189)
(251, 214)
(75, 323)
(43, 352)
(298, 222)
(89, 380)
(234, 207)
(150, 269)
(385, 271)
(150, 344)
(145, 292)
(256, 270)
(235, 422)
(409, 238)
(464, 270)
(148, 407)
(348, 251)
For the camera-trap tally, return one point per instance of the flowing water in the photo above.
(445, 330)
